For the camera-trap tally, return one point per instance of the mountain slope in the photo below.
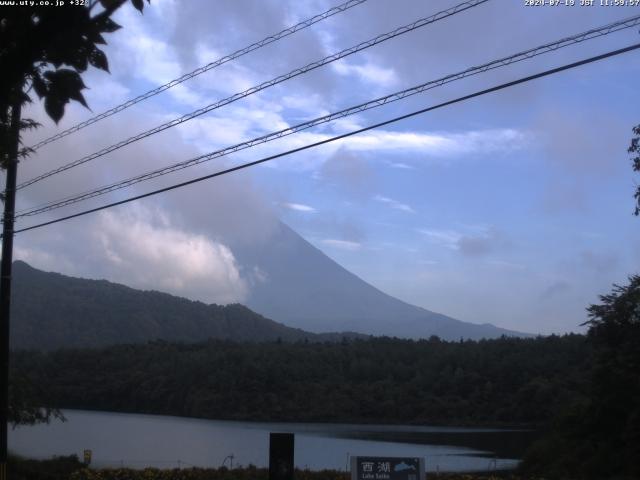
(50, 310)
(304, 288)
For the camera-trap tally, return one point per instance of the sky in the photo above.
(514, 208)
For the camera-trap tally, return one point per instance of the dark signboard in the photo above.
(281, 448)
(387, 468)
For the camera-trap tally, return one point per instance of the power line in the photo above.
(187, 76)
(527, 54)
(294, 73)
(340, 137)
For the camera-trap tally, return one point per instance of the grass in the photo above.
(70, 468)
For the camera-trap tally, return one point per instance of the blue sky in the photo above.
(514, 208)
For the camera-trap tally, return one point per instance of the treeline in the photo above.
(507, 381)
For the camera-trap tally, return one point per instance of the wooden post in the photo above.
(281, 449)
(5, 281)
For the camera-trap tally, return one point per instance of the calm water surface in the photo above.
(138, 441)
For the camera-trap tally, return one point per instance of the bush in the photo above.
(57, 468)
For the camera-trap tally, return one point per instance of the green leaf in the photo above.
(106, 4)
(63, 81)
(107, 25)
(138, 4)
(29, 124)
(39, 85)
(79, 60)
(98, 59)
(98, 39)
(78, 97)
(54, 106)
(64, 85)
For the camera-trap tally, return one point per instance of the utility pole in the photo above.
(5, 277)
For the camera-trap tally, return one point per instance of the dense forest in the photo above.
(504, 381)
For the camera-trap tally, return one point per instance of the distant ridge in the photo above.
(50, 311)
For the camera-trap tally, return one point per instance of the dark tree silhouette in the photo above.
(44, 49)
(600, 437)
(615, 405)
(635, 149)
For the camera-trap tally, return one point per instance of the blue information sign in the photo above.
(387, 468)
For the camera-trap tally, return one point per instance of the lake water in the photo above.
(138, 441)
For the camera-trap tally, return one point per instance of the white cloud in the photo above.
(475, 241)
(299, 207)
(230, 79)
(401, 165)
(211, 133)
(111, 92)
(368, 73)
(142, 249)
(439, 144)
(506, 264)
(342, 244)
(394, 204)
(346, 124)
(413, 146)
(448, 238)
(232, 125)
(428, 262)
(307, 103)
(50, 262)
(155, 59)
(149, 56)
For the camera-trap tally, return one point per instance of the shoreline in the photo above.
(473, 427)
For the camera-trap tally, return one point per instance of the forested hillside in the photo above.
(503, 381)
(52, 311)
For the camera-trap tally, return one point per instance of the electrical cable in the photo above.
(527, 54)
(187, 76)
(294, 73)
(340, 137)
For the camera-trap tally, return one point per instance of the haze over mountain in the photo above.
(291, 282)
(300, 286)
